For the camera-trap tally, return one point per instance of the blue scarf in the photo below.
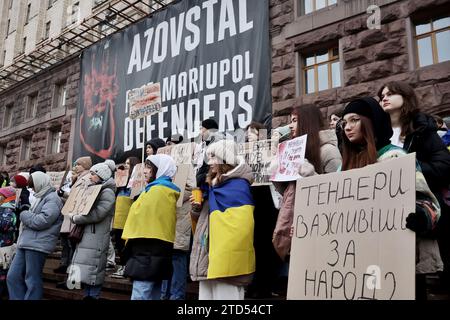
(163, 181)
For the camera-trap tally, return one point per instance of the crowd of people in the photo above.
(228, 235)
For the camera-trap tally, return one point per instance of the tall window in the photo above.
(7, 116)
(432, 41)
(25, 151)
(27, 17)
(3, 59)
(24, 44)
(32, 101)
(47, 30)
(60, 95)
(75, 12)
(10, 3)
(321, 71)
(2, 155)
(308, 6)
(50, 3)
(54, 141)
(7, 28)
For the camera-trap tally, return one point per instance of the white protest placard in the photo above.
(121, 177)
(350, 240)
(137, 181)
(56, 178)
(181, 153)
(258, 155)
(81, 197)
(291, 155)
(144, 101)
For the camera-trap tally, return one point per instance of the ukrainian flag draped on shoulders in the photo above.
(231, 251)
(153, 214)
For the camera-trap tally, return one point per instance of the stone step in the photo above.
(113, 288)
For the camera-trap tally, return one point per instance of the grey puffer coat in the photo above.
(89, 260)
(41, 226)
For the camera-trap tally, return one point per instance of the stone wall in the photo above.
(368, 58)
(47, 118)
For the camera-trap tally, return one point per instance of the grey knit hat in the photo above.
(102, 170)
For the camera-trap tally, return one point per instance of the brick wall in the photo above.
(368, 58)
(47, 118)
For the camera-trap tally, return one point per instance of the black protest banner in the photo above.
(350, 240)
(211, 59)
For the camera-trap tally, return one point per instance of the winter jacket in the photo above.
(431, 153)
(7, 224)
(331, 160)
(41, 226)
(90, 256)
(183, 226)
(428, 259)
(330, 156)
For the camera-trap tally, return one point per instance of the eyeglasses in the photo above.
(351, 122)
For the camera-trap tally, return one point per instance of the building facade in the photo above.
(329, 52)
(325, 52)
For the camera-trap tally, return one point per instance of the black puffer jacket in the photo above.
(433, 156)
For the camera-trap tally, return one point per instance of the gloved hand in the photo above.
(417, 221)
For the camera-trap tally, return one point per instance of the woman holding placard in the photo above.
(321, 156)
(89, 260)
(367, 133)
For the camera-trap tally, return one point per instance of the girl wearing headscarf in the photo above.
(89, 259)
(367, 133)
(41, 225)
(150, 229)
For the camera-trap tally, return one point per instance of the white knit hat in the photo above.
(225, 151)
(102, 170)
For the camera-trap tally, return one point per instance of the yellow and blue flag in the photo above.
(231, 251)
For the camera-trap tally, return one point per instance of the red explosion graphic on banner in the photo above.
(100, 91)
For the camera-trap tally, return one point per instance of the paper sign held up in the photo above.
(137, 181)
(258, 155)
(121, 177)
(56, 178)
(81, 199)
(144, 101)
(350, 240)
(181, 153)
(291, 155)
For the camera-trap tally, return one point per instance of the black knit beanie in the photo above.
(210, 124)
(381, 122)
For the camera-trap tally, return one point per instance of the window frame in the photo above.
(8, 108)
(432, 34)
(331, 59)
(47, 31)
(34, 95)
(57, 96)
(54, 133)
(25, 151)
(28, 13)
(3, 158)
(300, 7)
